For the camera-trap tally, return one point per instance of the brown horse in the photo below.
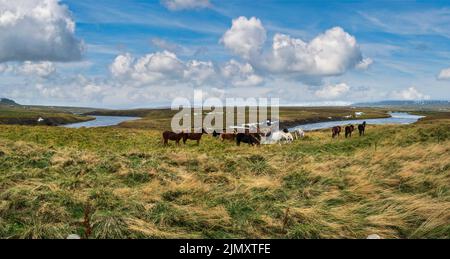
(348, 131)
(228, 136)
(193, 136)
(336, 131)
(169, 135)
(362, 129)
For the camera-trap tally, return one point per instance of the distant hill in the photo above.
(9, 102)
(421, 103)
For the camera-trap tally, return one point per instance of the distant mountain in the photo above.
(421, 103)
(9, 102)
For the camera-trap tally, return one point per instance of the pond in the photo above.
(396, 118)
(101, 121)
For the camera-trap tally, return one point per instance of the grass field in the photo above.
(22, 115)
(123, 183)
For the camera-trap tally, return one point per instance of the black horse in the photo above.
(249, 138)
(362, 129)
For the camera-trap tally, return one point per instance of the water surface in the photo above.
(396, 118)
(101, 121)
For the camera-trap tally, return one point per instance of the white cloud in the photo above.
(157, 67)
(331, 53)
(245, 37)
(240, 75)
(444, 74)
(410, 93)
(332, 91)
(165, 68)
(37, 30)
(121, 65)
(199, 72)
(176, 5)
(41, 69)
(364, 64)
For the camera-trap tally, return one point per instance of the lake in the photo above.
(101, 121)
(396, 118)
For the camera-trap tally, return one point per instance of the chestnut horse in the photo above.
(348, 131)
(336, 131)
(228, 136)
(169, 135)
(193, 136)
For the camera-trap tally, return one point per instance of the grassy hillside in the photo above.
(122, 183)
(29, 116)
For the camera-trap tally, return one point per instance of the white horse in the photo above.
(299, 133)
(278, 137)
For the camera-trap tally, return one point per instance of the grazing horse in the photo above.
(336, 131)
(362, 129)
(278, 137)
(288, 138)
(228, 136)
(169, 135)
(299, 133)
(348, 131)
(193, 136)
(248, 138)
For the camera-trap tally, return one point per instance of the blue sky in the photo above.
(406, 45)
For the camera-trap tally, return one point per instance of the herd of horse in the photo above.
(336, 131)
(283, 136)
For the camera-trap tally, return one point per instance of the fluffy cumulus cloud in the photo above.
(410, 93)
(152, 68)
(37, 30)
(240, 75)
(332, 91)
(245, 37)
(165, 68)
(176, 5)
(444, 74)
(199, 72)
(329, 54)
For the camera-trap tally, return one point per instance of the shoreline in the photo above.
(300, 122)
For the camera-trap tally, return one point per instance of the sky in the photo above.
(146, 53)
